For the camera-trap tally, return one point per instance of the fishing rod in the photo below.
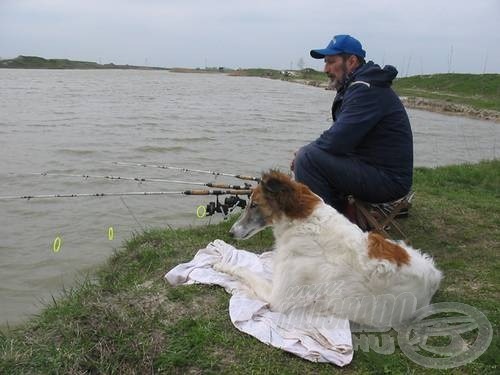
(245, 186)
(234, 192)
(230, 203)
(164, 166)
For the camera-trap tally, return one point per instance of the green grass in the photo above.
(132, 321)
(480, 91)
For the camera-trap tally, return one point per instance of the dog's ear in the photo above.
(275, 182)
(279, 190)
(285, 196)
(273, 185)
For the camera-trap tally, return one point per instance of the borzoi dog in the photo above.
(327, 265)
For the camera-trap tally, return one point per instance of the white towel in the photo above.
(326, 341)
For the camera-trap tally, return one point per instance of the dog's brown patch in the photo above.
(278, 194)
(380, 248)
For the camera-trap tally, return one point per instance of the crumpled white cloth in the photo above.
(318, 343)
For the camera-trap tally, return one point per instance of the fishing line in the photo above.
(131, 213)
(138, 179)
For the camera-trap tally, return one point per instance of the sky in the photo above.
(418, 37)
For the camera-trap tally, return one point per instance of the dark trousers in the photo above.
(334, 177)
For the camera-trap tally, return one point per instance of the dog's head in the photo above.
(277, 197)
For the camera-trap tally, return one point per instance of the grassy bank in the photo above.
(480, 91)
(35, 62)
(131, 321)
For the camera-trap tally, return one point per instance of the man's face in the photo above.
(337, 68)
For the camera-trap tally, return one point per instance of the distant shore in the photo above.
(35, 62)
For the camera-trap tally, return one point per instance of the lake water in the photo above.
(64, 121)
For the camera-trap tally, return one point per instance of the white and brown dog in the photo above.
(327, 265)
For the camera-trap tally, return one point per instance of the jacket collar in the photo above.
(350, 78)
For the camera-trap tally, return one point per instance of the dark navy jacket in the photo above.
(370, 123)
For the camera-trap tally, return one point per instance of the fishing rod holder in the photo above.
(230, 203)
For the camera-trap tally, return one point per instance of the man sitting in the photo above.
(368, 151)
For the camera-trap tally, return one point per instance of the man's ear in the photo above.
(353, 62)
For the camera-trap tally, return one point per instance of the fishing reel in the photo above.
(230, 203)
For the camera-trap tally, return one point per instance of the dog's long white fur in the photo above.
(322, 263)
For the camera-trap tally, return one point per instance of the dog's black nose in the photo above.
(231, 234)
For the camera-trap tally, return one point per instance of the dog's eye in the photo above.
(253, 205)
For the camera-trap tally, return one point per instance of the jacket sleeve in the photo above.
(360, 112)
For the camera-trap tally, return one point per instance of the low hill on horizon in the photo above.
(36, 62)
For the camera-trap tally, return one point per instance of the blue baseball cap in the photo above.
(340, 44)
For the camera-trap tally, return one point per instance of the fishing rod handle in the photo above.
(250, 178)
(226, 186)
(218, 192)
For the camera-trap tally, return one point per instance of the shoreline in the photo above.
(425, 104)
(451, 109)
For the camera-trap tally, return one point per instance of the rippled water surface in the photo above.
(64, 121)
